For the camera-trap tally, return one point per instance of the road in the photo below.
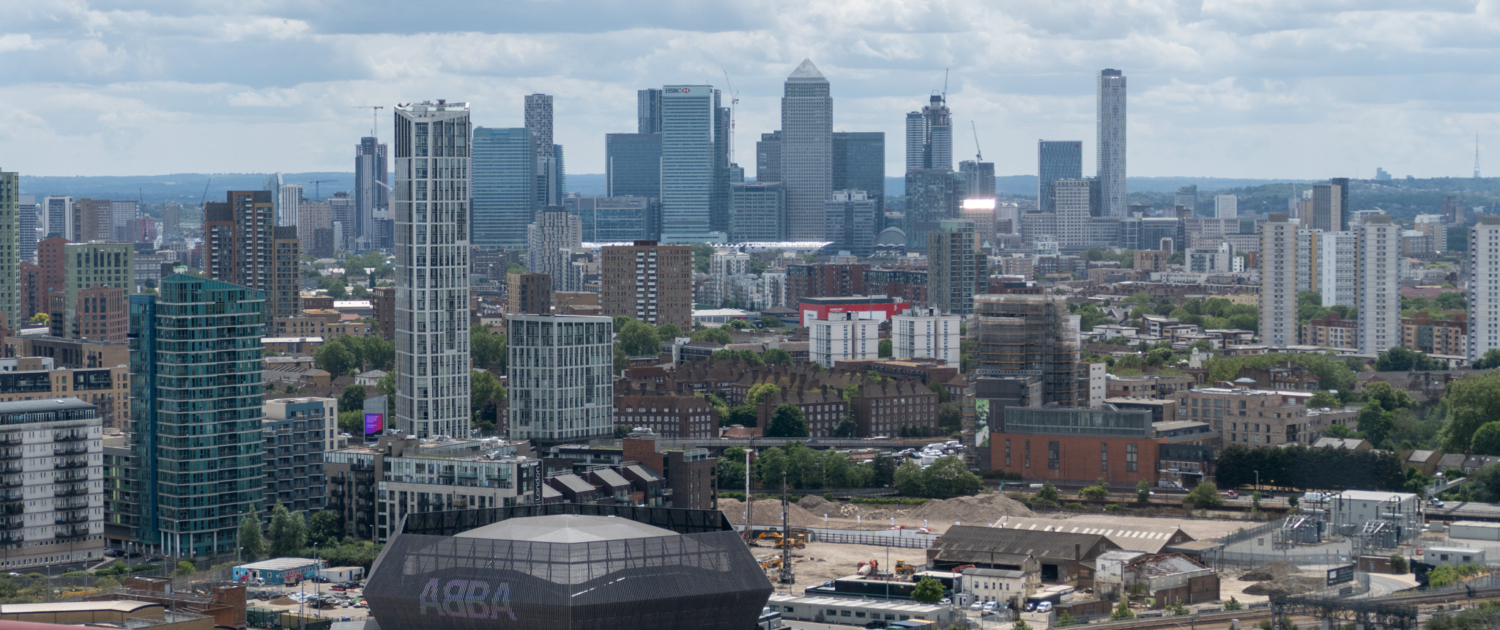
(1383, 585)
(1458, 510)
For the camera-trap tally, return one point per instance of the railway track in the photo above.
(1192, 622)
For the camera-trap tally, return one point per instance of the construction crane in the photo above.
(204, 200)
(978, 152)
(318, 187)
(734, 101)
(374, 117)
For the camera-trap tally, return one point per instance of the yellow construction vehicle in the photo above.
(773, 563)
(795, 541)
(902, 568)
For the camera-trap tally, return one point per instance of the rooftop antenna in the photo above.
(945, 86)
(374, 117)
(978, 152)
(734, 101)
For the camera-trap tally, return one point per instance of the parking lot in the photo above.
(340, 602)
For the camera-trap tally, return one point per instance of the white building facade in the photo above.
(925, 333)
(1335, 274)
(843, 337)
(1377, 298)
(1111, 145)
(1278, 282)
(561, 377)
(1484, 286)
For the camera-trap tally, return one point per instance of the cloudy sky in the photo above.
(1233, 88)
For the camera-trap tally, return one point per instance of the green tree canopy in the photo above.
(743, 415)
(1333, 374)
(288, 532)
(335, 358)
(927, 591)
(639, 339)
(325, 528)
(668, 332)
(760, 391)
(787, 421)
(251, 540)
(487, 348)
(1401, 359)
(1486, 440)
(483, 387)
(1205, 495)
(1489, 361)
(353, 398)
(1389, 398)
(1307, 468)
(1322, 398)
(777, 356)
(1472, 402)
(713, 335)
(884, 349)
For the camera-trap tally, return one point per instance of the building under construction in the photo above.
(1017, 335)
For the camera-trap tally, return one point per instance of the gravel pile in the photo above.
(1289, 585)
(1273, 571)
(980, 509)
(768, 513)
(812, 503)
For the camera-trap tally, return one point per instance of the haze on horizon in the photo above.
(1228, 88)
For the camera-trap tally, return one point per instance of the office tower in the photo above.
(505, 182)
(632, 164)
(528, 293)
(1056, 159)
(859, 164)
(938, 123)
(121, 213)
(979, 178)
(561, 385)
(548, 174)
(1484, 286)
(1111, 147)
(850, 217)
(62, 437)
(806, 151)
(559, 186)
(615, 219)
(916, 141)
(1226, 206)
(649, 281)
(93, 220)
(242, 247)
(193, 492)
(26, 208)
(756, 212)
(1032, 336)
(648, 111)
(723, 174)
(89, 265)
(953, 273)
(58, 211)
(311, 217)
(1326, 208)
(432, 269)
(1187, 197)
(1278, 282)
(1344, 212)
(1308, 274)
(287, 200)
(926, 333)
(1073, 202)
(549, 240)
(768, 158)
(931, 196)
(981, 213)
(343, 211)
(1376, 296)
(10, 255)
(1335, 273)
(687, 161)
(370, 175)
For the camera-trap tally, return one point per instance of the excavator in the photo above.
(904, 569)
(773, 563)
(795, 541)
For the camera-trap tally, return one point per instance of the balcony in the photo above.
(70, 492)
(72, 532)
(73, 518)
(71, 449)
(70, 436)
(11, 455)
(70, 465)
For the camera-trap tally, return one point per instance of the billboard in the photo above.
(1340, 575)
(374, 423)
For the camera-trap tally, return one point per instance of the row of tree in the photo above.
(348, 355)
(292, 536)
(805, 468)
(1307, 468)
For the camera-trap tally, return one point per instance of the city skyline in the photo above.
(96, 91)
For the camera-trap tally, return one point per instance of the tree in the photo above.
(846, 428)
(336, 358)
(787, 421)
(1375, 423)
(770, 321)
(1322, 398)
(1451, 301)
(1048, 492)
(668, 332)
(1122, 611)
(1205, 495)
(743, 415)
(927, 591)
(885, 470)
(483, 387)
(949, 477)
(325, 528)
(1486, 440)
(777, 356)
(1472, 403)
(639, 339)
(731, 469)
(387, 384)
(1389, 398)
(622, 360)
(1402, 359)
(1338, 431)
(1489, 361)
(1398, 564)
(909, 480)
(487, 349)
(1021, 625)
(353, 398)
(1233, 604)
(713, 335)
(1142, 491)
(352, 422)
(288, 532)
(40, 318)
(759, 392)
(185, 567)
(1097, 492)
(950, 417)
(251, 541)
(885, 349)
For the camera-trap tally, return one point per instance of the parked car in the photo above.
(1232, 494)
(1436, 502)
(976, 606)
(1044, 607)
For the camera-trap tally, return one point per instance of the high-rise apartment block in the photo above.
(632, 163)
(689, 119)
(859, 164)
(1345, 215)
(284, 295)
(93, 220)
(1032, 337)
(370, 192)
(1226, 206)
(297, 431)
(58, 211)
(1327, 209)
(929, 137)
(1376, 295)
(504, 193)
(561, 381)
(926, 333)
(1056, 159)
(850, 218)
(1484, 286)
(548, 163)
(91, 266)
(1073, 202)
(1278, 282)
(954, 267)
(806, 151)
(10, 253)
(1309, 273)
(843, 336)
(931, 196)
(311, 217)
(288, 198)
(1335, 273)
(528, 293)
(431, 212)
(550, 241)
(649, 282)
(244, 247)
(756, 212)
(196, 441)
(1111, 147)
(54, 482)
(27, 224)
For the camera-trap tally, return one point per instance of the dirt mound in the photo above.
(1273, 571)
(284, 601)
(812, 502)
(768, 513)
(976, 510)
(1289, 585)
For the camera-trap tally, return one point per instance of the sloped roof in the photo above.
(807, 71)
(566, 528)
(1145, 538)
(966, 542)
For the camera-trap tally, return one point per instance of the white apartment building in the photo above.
(724, 264)
(53, 474)
(1335, 274)
(843, 337)
(1308, 242)
(1376, 269)
(1098, 384)
(926, 333)
(1484, 286)
(561, 377)
(1226, 206)
(1071, 199)
(1278, 282)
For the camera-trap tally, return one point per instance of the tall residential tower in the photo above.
(370, 175)
(1111, 146)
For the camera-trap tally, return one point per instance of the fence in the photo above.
(1220, 559)
(908, 542)
(1258, 530)
(89, 581)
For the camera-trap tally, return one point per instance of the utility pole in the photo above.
(785, 576)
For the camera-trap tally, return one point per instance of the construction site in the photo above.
(1030, 342)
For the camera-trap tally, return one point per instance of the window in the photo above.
(1130, 458)
(1026, 453)
(1007, 452)
(1104, 456)
(1054, 456)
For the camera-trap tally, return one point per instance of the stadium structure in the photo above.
(566, 566)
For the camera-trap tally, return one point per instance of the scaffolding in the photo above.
(1029, 335)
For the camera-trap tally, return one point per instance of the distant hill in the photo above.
(184, 188)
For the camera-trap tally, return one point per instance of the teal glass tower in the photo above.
(195, 362)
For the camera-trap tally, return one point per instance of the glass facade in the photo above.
(757, 212)
(1056, 160)
(687, 161)
(195, 356)
(1077, 422)
(633, 164)
(859, 163)
(504, 187)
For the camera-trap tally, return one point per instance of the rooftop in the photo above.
(279, 564)
(566, 528)
(118, 605)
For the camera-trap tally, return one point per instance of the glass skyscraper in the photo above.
(632, 164)
(370, 173)
(859, 163)
(505, 182)
(806, 151)
(1056, 159)
(196, 395)
(687, 161)
(431, 215)
(1111, 146)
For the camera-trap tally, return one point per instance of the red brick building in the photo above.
(103, 314)
(895, 408)
(668, 416)
(824, 280)
(1070, 444)
(822, 408)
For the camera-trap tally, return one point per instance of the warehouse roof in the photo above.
(1147, 538)
(566, 528)
(116, 605)
(967, 543)
(279, 564)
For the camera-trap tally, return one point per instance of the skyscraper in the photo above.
(757, 211)
(806, 151)
(10, 249)
(1073, 201)
(859, 164)
(632, 164)
(1226, 206)
(288, 198)
(723, 173)
(1484, 286)
(240, 246)
(849, 222)
(916, 141)
(431, 214)
(1056, 159)
(1111, 146)
(687, 161)
(1327, 206)
(1278, 282)
(1187, 197)
(550, 240)
(939, 128)
(648, 111)
(1376, 296)
(979, 178)
(92, 220)
(1344, 212)
(58, 212)
(91, 265)
(27, 209)
(768, 158)
(931, 196)
(953, 275)
(548, 175)
(370, 192)
(561, 381)
(504, 188)
(196, 439)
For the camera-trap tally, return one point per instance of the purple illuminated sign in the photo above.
(374, 423)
